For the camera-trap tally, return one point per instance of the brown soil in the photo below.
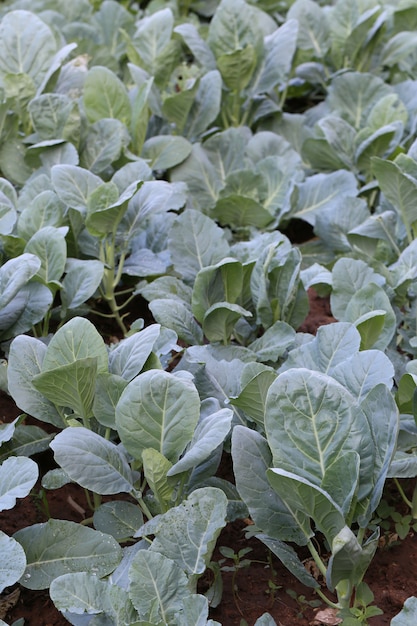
(261, 587)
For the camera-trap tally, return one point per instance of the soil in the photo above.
(262, 586)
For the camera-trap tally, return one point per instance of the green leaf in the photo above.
(251, 459)
(127, 357)
(304, 500)
(58, 547)
(177, 315)
(187, 533)
(104, 143)
(81, 280)
(323, 191)
(49, 245)
(370, 326)
(157, 410)
(310, 419)
(13, 561)
(348, 277)
(44, 210)
(206, 105)
(152, 37)
(216, 283)
(74, 185)
(350, 560)
(77, 339)
(196, 242)
(105, 96)
(288, 557)
(399, 188)
(27, 45)
(17, 477)
(210, 432)
(371, 299)
(274, 342)
(233, 28)
(71, 385)
(252, 398)
(155, 469)
(237, 67)
(109, 388)
(79, 593)
(176, 107)
(157, 586)
(313, 28)
(25, 362)
(119, 519)
(353, 95)
(220, 320)
(92, 461)
(164, 151)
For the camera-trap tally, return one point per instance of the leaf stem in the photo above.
(402, 493)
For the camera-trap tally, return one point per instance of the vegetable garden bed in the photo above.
(208, 304)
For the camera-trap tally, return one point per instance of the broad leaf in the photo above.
(13, 562)
(92, 461)
(119, 518)
(17, 477)
(58, 547)
(105, 96)
(157, 410)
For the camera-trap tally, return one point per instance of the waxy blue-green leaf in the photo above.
(14, 275)
(187, 533)
(77, 339)
(363, 371)
(372, 299)
(18, 474)
(44, 210)
(313, 28)
(306, 501)
(197, 45)
(210, 432)
(251, 459)
(118, 518)
(108, 389)
(279, 50)
(158, 586)
(382, 415)
(50, 115)
(323, 191)
(206, 105)
(59, 547)
(195, 242)
(252, 398)
(81, 281)
(92, 461)
(104, 143)
(80, 593)
(27, 45)
(157, 410)
(274, 342)
(177, 315)
(105, 96)
(352, 95)
(288, 557)
(127, 357)
(163, 151)
(74, 185)
(27, 308)
(25, 362)
(348, 277)
(152, 37)
(350, 560)
(72, 385)
(233, 28)
(13, 561)
(8, 218)
(310, 419)
(49, 245)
